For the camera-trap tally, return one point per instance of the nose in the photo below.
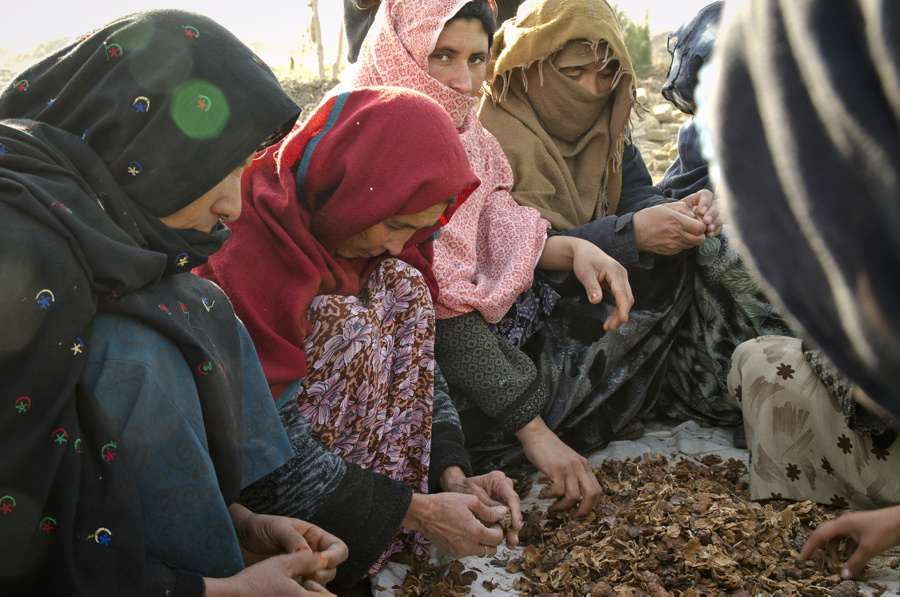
(461, 81)
(592, 84)
(228, 207)
(394, 244)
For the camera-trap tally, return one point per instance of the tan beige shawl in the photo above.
(564, 143)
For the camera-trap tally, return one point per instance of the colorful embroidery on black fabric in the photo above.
(141, 104)
(23, 405)
(134, 168)
(102, 536)
(47, 524)
(22, 85)
(77, 347)
(7, 503)
(114, 51)
(107, 451)
(45, 299)
(55, 203)
(60, 436)
(196, 327)
(191, 32)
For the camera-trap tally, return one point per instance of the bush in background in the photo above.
(637, 39)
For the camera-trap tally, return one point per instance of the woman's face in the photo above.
(390, 235)
(460, 56)
(593, 76)
(222, 202)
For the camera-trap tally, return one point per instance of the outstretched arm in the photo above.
(867, 533)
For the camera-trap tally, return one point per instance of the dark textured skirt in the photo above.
(596, 382)
(729, 307)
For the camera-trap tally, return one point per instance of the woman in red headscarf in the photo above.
(486, 258)
(329, 267)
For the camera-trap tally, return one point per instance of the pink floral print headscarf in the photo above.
(486, 255)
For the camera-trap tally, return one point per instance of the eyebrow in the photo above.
(452, 50)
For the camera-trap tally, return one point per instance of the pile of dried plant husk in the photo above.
(686, 530)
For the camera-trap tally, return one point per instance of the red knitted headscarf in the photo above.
(362, 157)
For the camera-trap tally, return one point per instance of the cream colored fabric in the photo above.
(800, 445)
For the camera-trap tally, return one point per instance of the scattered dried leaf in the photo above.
(686, 530)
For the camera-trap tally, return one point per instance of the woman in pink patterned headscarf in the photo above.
(489, 256)
(486, 257)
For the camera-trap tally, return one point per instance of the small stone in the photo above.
(663, 112)
(646, 123)
(658, 135)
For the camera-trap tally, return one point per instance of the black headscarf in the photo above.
(805, 122)
(127, 124)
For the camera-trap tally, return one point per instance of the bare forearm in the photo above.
(532, 430)
(559, 253)
(418, 513)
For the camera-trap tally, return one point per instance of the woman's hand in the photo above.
(701, 205)
(459, 525)
(596, 270)
(262, 536)
(571, 477)
(868, 533)
(278, 575)
(493, 489)
(667, 229)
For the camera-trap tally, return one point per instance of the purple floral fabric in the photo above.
(368, 394)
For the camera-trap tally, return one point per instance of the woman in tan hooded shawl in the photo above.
(563, 90)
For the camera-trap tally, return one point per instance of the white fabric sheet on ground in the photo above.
(688, 440)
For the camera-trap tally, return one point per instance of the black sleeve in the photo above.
(361, 507)
(447, 439)
(615, 233)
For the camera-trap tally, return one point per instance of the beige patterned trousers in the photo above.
(800, 445)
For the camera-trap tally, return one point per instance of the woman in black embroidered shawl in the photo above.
(134, 408)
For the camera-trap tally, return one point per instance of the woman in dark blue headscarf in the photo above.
(729, 307)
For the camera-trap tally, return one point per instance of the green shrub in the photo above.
(637, 39)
